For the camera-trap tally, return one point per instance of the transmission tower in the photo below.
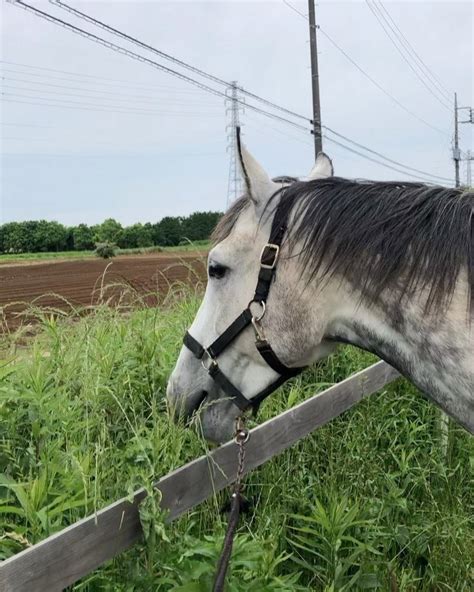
(233, 108)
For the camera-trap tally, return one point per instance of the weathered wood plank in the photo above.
(189, 486)
(72, 553)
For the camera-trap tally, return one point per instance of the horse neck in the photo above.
(435, 351)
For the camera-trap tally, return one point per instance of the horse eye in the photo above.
(217, 271)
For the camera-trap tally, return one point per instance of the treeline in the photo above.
(43, 236)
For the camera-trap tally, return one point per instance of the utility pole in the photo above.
(233, 106)
(456, 151)
(313, 44)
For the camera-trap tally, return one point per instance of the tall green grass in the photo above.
(369, 502)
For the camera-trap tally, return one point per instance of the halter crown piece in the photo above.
(209, 355)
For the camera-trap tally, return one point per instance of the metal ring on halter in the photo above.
(264, 308)
(210, 359)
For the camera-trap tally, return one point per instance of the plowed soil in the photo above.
(85, 282)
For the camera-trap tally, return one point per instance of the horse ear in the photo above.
(322, 167)
(258, 184)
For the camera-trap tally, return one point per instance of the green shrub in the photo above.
(105, 250)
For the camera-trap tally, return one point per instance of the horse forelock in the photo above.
(227, 222)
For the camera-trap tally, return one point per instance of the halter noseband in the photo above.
(209, 355)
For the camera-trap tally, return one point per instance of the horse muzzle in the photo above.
(183, 402)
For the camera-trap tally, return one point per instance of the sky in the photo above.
(88, 133)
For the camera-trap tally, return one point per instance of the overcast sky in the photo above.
(89, 134)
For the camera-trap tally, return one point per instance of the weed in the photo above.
(369, 501)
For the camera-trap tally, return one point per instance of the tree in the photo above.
(109, 231)
(16, 238)
(83, 237)
(29, 231)
(69, 239)
(135, 236)
(50, 236)
(199, 226)
(167, 232)
(33, 235)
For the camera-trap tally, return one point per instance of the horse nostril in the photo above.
(182, 405)
(196, 406)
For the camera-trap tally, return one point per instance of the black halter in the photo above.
(208, 356)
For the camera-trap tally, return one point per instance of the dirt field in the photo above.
(85, 282)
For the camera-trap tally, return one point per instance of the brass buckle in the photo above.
(276, 252)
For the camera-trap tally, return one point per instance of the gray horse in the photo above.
(388, 267)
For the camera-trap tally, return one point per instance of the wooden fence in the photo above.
(65, 557)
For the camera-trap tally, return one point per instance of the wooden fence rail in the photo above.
(65, 557)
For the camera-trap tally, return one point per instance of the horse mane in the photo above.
(379, 235)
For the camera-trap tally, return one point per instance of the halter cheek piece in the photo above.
(208, 356)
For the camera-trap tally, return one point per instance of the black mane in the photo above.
(379, 235)
(384, 234)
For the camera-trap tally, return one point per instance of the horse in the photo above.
(385, 266)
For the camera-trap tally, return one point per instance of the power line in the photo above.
(181, 76)
(120, 83)
(279, 131)
(113, 46)
(35, 103)
(367, 75)
(389, 159)
(424, 179)
(267, 127)
(83, 107)
(100, 107)
(101, 142)
(305, 16)
(116, 96)
(424, 174)
(16, 139)
(25, 125)
(162, 54)
(379, 86)
(383, 21)
(396, 40)
(135, 41)
(143, 59)
(412, 50)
